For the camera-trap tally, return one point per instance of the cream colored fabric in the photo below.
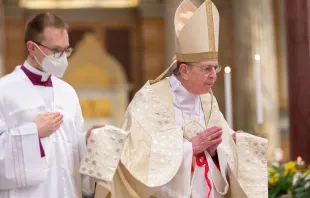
(104, 150)
(191, 129)
(156, 140)
(235, 190)
(153, 150)
(182, 15)
(198, 39)
(181, 184)
(188, 115)
(252, 164)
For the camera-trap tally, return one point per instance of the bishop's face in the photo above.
(198, 78)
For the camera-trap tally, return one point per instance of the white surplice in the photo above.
(23, 172)
(188, 107)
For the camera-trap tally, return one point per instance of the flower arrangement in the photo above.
(291, 179)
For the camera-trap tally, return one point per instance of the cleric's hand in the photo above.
(208, 138)
(213, 149)
(48, 123)
(234, 135)
(92, 128)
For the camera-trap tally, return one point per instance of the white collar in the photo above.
(185, 99)
(34, 70)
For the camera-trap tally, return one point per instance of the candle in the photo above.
(259, 96)
(300, 164)
(299, 159)
(228, 96)
(278, 155)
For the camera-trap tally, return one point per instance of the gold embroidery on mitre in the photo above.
(210, 26)
(197, 57)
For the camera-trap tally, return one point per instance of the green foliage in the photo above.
(288, 178)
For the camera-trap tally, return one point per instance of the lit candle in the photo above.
(300, 164)
(259, 95)
(278, 155)
(228, 96)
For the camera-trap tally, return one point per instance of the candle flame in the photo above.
(299, 159)
(227, 70)
(257, 57)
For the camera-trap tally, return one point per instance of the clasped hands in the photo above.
(209, 140)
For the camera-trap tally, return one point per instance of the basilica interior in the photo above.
(120, 44)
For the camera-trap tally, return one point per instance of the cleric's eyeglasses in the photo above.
(56, 51)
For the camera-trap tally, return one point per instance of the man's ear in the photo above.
(30, 47)
(184, 71)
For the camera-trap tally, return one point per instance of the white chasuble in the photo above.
(196, 174)
(155, 160)
(24, 172)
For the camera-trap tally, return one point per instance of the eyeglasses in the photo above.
(57, 53)
(208, 69)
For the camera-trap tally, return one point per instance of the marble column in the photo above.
(278, 8)
(254, 34)
(1, 39)
(225, 50)
(153, 39)
(170, 7)
(298, 62)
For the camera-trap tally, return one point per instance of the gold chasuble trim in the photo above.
(210, 26)
(197, 57)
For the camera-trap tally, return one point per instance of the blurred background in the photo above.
(120, 44)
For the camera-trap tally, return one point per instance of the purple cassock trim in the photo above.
(36, 79)
(41, 149)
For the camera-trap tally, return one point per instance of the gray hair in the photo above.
(176, 71)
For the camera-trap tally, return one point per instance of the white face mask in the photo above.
(52, 65)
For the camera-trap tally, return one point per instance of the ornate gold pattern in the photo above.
(252, 152)
(210, 26)
(103, 152)
(197, 57)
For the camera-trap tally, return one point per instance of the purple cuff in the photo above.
(41, 149)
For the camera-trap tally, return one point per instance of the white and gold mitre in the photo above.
(197, 32)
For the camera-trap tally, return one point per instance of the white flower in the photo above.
(296, 177)
(275, 164)
(307, 178)
(307, 185)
